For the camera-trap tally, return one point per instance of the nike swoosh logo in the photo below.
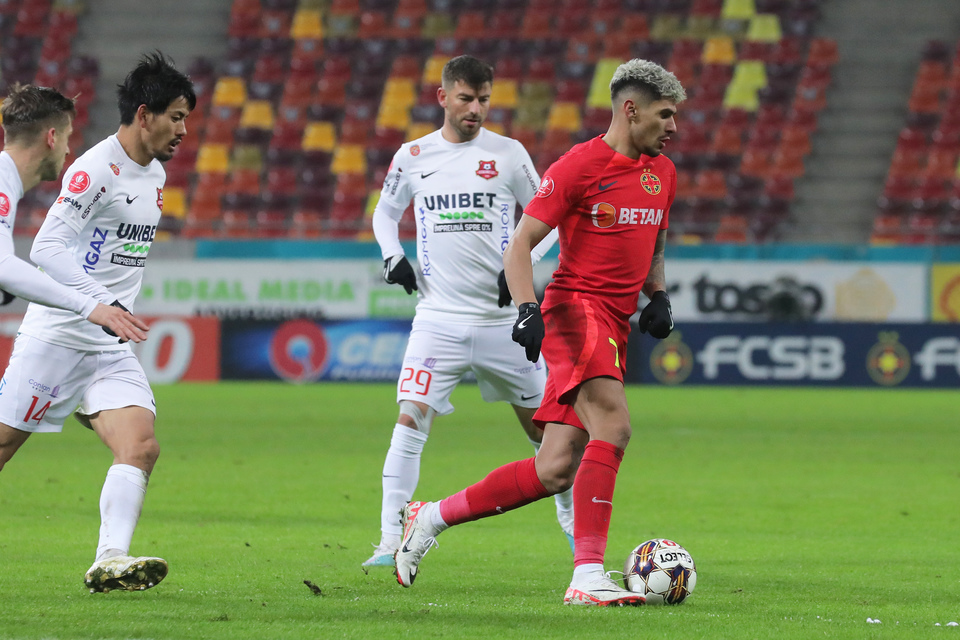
(526, 397)
(130, 200)
(604, 187)
(427, 175)
(594, 499)
(523, 323)
(391, 476)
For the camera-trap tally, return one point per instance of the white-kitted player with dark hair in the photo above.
(465, 183)
(95, 240)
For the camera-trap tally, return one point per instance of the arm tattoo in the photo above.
(656, 281)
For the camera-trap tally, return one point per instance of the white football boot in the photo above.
(601, 591)
(125, 573)
(418, 538)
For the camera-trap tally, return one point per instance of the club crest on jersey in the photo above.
(546, 187)
(160, 198)
(115, 169)
(4, 205)
(488, 169)
(650, 183)
(415, 150)
(79, 183)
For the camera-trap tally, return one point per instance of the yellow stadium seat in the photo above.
(174, 202)
(738, 9)
(247, 156)
(719, 50)
(349, 158)
(319, 136)
(393, 118)
(437, 25)
(213, 158)
(700, 27)
(741, 97)
(764, 27)
(666, 27)
(750, 73)
(400, 91)
(372, 199)
(504, 93)
(565, 116)
(599, 95)
(417, 130)
(433, 71)
(496, 127)
(306, 24)
(229, 92)
(257, 114)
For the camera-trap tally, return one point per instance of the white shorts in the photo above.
(44, 383)
(439, 354)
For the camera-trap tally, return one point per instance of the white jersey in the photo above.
(17, 276)
(464, 198)
(114, 204)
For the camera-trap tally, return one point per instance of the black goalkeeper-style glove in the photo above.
(528, 330)
(657, 317)
(9, 297)
(505, 297)
(115, 303)
(397, 270)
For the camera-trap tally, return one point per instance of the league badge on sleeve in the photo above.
(546, 187)
(160, 198)
(79, 183)
(4, 205)
(488, 169)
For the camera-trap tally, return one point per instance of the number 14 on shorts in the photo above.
(37, 415)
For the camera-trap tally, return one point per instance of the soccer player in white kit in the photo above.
(465, 182)
(95, 239)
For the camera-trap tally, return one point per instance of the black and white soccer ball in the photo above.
(662, 570)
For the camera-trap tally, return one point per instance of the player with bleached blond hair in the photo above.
(610, 199)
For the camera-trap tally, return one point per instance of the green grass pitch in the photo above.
(807, 512)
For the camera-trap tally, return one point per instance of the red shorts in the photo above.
(582, 341)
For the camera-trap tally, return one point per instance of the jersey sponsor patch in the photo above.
(650, 183)
(79, 183)
(415, 150)
(488, 169)
(4, 205)
(546, 187)
(603, 215)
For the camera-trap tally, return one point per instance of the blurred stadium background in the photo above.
(816, 232)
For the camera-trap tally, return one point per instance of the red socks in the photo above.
(593, 500)
(508, 487)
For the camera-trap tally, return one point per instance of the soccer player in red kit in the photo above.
(610, 198)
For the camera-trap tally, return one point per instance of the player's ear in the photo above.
(142, 115)
(442, 96)
(51, 138)
(630, 109)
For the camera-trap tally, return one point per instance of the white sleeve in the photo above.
(525, 181)
(51, 251)
(24, 280)
(537, 253)
(386, 228)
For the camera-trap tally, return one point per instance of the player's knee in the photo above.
(556, 474)
(412, 416)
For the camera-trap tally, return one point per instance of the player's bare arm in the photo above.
(516, 258)
(656, 281)
(121, 322)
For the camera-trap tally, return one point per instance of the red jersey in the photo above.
(609, 209)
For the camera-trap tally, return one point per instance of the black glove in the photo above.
(115, 303)
(9, 297)
(528, 330)
(505, 297)
(657, 317)
(397, 270)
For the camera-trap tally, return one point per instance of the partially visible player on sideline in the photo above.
(465, 182)
(95, 239)
(610, 198)
(37, 123)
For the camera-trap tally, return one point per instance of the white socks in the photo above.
(121, 501)
(401, 473)
(585, 573)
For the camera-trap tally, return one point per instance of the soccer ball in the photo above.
(662, 570)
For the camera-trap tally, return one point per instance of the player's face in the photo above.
(465, 108)
(652, 126)
(164, 131)
(52, 165)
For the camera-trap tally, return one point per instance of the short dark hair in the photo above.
(156, 83)
(467, 69)
(30, 109)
